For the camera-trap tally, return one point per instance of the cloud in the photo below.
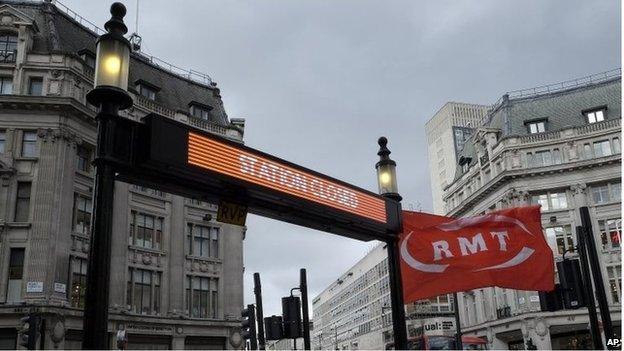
(319, 81)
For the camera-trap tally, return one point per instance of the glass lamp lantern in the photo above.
(112, 63)
(386, 172)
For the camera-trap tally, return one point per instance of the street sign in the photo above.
(171, 156)
(232, 213)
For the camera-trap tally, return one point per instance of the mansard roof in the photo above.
(560, 108)
(58, 32)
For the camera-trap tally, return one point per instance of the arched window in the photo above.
(8, 47)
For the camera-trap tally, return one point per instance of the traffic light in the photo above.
(29, 331)
(249, 326)
(571, 283)
(551, 301)
(291, 315)
(273, 328)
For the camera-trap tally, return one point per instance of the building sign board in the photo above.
(232, 213)
(34, 287)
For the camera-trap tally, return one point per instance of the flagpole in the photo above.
(458, 332)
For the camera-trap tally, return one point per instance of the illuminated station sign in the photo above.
(194, 163)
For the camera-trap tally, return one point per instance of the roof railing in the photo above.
(189, 74)
(553, 88)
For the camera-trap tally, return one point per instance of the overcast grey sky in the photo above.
(320, 81)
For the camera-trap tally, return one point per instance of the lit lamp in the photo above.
(110, 94)
(386, 172)
(112, 63)
(386, 178)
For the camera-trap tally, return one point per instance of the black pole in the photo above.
(95, 323)
(594, 263)
(303, 287)
(396, 295)
(259, 314)
(458, 333)
(589, 291)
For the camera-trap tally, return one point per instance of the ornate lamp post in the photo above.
(110, 94)
(386, 178)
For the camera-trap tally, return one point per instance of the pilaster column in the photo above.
(177, 258)
(45, 212)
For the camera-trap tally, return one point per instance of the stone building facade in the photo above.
(177, 274)
(558, 146)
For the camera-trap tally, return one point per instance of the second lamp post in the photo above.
(386, 178)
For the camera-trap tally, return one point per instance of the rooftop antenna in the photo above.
(135, 38)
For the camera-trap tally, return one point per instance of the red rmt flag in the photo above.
(505, 248)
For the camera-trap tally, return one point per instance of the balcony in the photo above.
(8, 56)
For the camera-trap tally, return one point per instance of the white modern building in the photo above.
(354, 311)
(447, 131)
(558, 146)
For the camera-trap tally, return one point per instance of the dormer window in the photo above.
(200, 111)
(595, 115)
(88, 57)
(8, 47)
(146, 89)
(147, 92)
(535, 127)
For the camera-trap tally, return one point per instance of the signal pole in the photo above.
(259, 315)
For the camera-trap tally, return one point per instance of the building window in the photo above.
(201, 297)
(540, 159)
(560, 239)
(16, 272)
(536, 127)
(35, 86)
(82, 214)
(556, 157)
(29, 144)
(6, 85)
(615, 282)
(22, 202)
(143, 291)
(551, 201)
(203, 241)
(2, 141)
(595, 116)
(78, 282)
(610, 233)
(89, 60)
(8, 48)
(202, 112)
(616, 146)
(605, 193)
(147, 92)
(83, 158)
(602, 148)
(145, 231)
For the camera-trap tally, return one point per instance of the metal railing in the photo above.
(189, 74)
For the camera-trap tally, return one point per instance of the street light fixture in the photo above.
(112, 63)
(386, 178)
(386, 172)
(110, 94)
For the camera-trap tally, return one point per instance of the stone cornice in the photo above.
(68, 105)
(509, 175)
